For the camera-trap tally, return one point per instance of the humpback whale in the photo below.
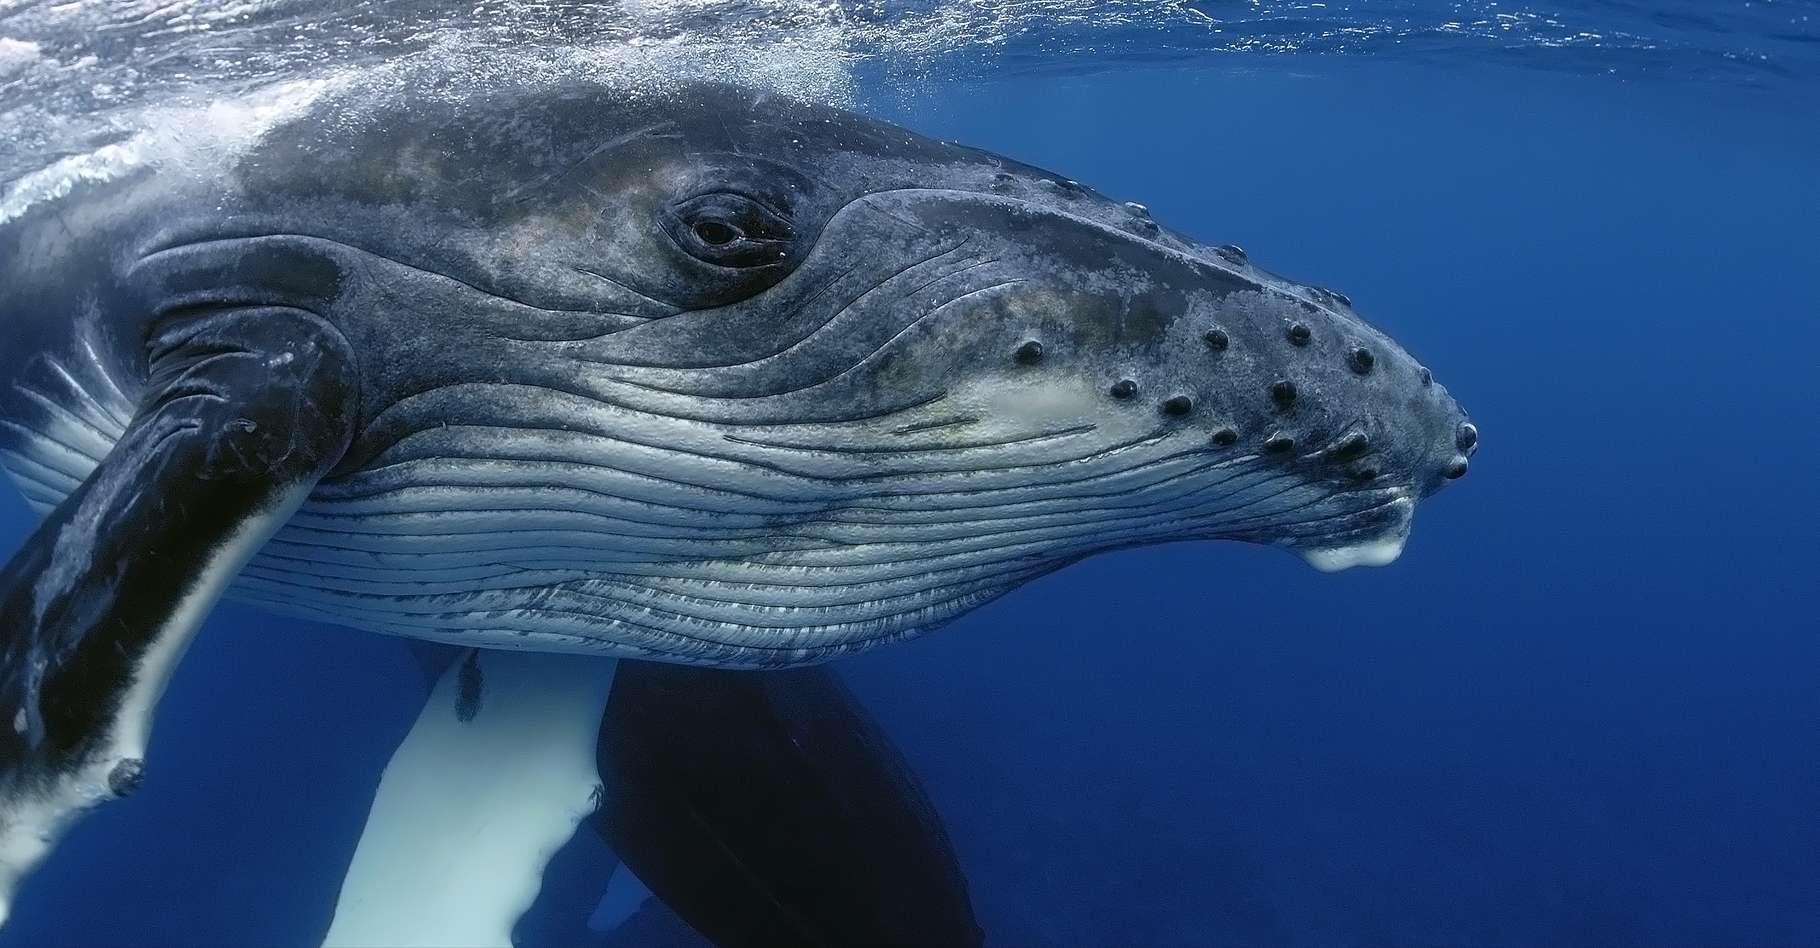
(683, 372)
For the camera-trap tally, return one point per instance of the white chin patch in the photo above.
(1381, 552)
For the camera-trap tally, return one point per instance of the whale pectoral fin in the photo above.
(488, 785)
(245, 410)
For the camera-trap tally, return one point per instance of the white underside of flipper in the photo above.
(468, 813)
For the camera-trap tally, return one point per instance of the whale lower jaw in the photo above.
(1379, 552)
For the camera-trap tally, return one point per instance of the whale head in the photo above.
(777, 381)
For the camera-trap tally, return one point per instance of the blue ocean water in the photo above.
(1580, 709)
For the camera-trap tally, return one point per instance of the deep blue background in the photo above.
(1581, 709)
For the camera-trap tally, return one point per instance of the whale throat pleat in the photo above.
(640, 534)
(64, 420)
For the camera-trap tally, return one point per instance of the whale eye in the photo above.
(729, 229)
(716, 233)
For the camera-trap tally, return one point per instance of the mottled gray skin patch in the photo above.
(719, 376)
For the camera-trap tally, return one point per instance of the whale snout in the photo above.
(1321, 432)
(1443, 444)
(1239, 405)
(1351, 425)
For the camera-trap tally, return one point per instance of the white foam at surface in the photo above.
(176, 137)
(56, 181)
(468, 813)
(16, 55)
